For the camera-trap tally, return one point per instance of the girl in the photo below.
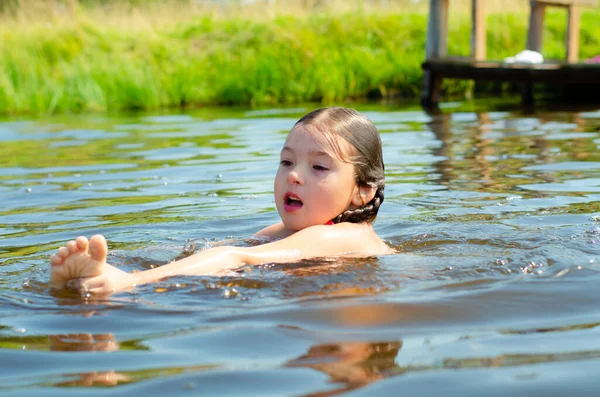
(328, 189)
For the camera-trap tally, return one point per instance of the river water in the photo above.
(495, 212)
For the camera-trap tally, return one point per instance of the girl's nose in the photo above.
(294, 178)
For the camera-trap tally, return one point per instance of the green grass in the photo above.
(91, 65)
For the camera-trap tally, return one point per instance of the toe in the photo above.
(55, 260)
(98, 248)
(63, 252)
(72, 247)
(82, 243)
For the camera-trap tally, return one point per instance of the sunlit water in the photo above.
(495, 291)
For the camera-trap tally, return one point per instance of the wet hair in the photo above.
(363, 137)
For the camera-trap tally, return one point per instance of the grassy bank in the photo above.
(84, 62)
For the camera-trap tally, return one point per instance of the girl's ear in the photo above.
(362, 195)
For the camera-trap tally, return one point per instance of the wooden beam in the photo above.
(573, 17)
(437, 29)
(435, 47)
(536, 26)
(478, 44)
(565, 3)
(553, 73)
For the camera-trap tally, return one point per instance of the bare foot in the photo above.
(78, 259)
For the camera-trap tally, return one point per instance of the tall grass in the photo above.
(151, 58)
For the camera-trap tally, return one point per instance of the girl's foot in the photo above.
(78, 259)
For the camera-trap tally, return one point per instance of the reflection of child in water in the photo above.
(355, 364)
(88, 343)
(328, 189)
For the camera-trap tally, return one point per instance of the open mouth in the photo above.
(292, 201)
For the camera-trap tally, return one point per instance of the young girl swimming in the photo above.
(328, 190)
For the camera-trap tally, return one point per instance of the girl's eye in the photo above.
(285, 163)
(320, 168)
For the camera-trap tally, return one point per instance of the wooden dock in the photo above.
(438, 65)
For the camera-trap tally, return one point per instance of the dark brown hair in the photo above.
(367, 158)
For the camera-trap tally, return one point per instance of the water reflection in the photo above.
(488, 153)
(83, 342)
(88, 343)
(353, 364)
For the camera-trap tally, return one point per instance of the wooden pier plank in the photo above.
(555, 72)
(566, 3)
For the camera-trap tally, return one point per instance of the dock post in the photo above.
(478, 43)
(573, 33)
(436, 47)
(534, 43)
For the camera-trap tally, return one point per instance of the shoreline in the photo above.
(86, 65)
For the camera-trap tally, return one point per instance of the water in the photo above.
(496, 215)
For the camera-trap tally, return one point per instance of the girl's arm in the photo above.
(315, 241)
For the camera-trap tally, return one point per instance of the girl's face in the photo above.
(313, 185)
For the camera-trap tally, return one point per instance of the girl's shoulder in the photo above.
(361, 237)
(273, 232)
(351, 238)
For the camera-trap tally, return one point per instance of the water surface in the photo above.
(496, 216)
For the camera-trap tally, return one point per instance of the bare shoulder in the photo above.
(331, 240)
(343, 239)
(357, 238)
(273, 232)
